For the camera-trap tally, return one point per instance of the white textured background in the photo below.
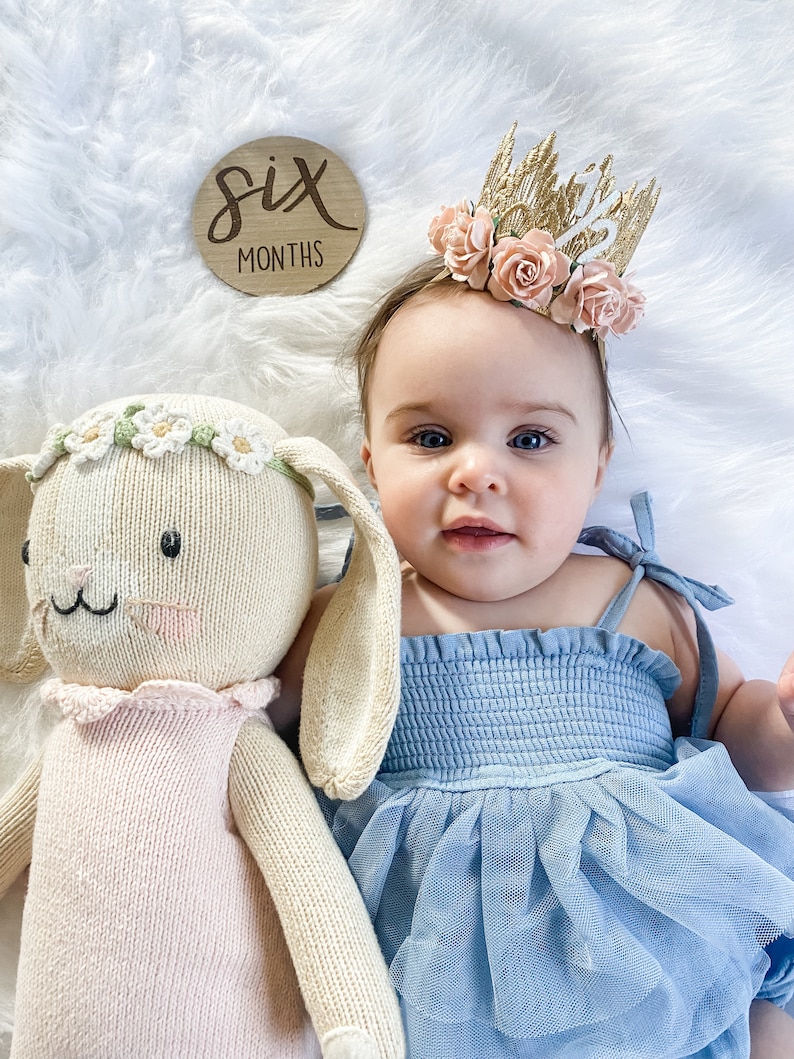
(112, 112)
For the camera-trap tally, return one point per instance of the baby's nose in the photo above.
(79, 575)
(477, 471)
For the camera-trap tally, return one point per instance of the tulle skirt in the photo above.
(613, 912)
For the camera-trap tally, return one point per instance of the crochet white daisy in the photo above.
(49, 452)
(91, 436)
(161, 430)
(242, 445)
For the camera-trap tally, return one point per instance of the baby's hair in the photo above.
(426, 281)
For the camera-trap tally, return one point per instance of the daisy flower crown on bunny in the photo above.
(559, 249)
(158, 430)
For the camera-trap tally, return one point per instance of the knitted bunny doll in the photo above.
(185, 898)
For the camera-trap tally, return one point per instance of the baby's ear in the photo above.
(604, 458)
(351, 684)
(21, 659)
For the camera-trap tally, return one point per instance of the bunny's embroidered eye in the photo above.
(171, 543)
(26, 553)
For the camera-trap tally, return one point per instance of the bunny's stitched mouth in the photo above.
(80, 602)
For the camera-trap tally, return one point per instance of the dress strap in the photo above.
(644, 562)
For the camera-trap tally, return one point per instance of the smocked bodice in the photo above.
(523, 703)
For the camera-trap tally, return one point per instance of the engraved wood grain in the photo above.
(280, 215)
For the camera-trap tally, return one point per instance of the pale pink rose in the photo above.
(437, 232)
(469, 243)
(597, 299)
(526, 269)
(633, 312)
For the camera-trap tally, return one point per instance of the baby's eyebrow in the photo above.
(409, 406)
(522, 409)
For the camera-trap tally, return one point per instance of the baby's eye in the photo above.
(529, 440)
(431, 439)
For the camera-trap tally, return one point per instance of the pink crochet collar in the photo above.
(84, 703)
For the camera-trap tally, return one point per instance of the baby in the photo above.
(558, 853)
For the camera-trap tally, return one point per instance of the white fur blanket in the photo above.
(112, 113)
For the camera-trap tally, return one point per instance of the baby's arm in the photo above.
(749, 716)
(284, 711)
(785, 691)
(755, 721)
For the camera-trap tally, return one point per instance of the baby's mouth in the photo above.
(476, 536)
(476, 531)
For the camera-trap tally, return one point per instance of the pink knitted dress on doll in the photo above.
(148, 930)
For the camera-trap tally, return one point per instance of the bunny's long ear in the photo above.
(21, 659)
(351, 684)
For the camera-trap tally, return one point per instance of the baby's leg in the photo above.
(771, 1032)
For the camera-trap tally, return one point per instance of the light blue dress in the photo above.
(549, 872)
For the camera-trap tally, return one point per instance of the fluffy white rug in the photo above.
(112, 113)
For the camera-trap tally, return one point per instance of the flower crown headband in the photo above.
(560, 249)
(159, 429)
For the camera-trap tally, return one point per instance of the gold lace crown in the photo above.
(587, 216)
(559, 249)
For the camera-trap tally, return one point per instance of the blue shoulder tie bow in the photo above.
(644, 562)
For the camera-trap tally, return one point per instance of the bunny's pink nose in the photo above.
(79, 575)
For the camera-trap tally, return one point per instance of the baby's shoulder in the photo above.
(659, 617)
(585, 585)
(656, 615)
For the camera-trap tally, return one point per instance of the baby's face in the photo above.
(485, 442)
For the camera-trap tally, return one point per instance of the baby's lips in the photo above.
(171, 621)
(477, 531)
(475, 525)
